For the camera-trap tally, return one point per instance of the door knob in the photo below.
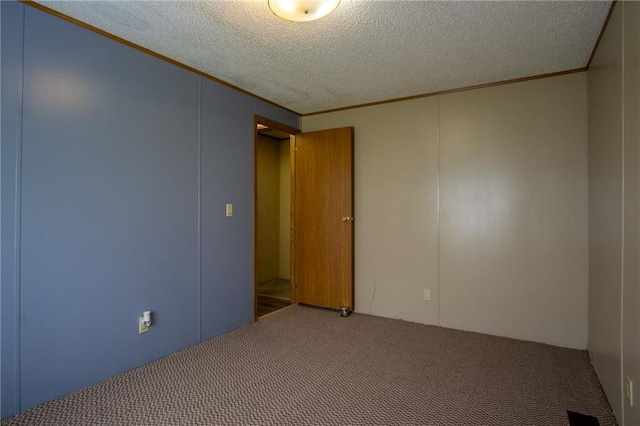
(346, 218)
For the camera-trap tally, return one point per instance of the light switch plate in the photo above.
(229, 210)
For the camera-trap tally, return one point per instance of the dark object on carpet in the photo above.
(308, 366)
(577, 419)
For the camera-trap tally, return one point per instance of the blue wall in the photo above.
(116, 167)
(10, 133)
(227, 177)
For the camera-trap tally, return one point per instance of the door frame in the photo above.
(257, 119)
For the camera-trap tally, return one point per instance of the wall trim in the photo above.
(89, 27)
(275, 125)
(445, 92)
(604, 28)
(121, 40)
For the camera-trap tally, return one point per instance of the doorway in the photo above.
(303, 218)
(273, 289)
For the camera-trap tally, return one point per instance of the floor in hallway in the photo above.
(273, 295)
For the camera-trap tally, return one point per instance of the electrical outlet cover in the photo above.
(142, 327)
(427, 294)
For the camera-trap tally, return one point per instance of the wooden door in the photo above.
(323, 218)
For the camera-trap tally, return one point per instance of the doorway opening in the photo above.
(273, 214)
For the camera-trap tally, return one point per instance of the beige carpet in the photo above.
(307, 366)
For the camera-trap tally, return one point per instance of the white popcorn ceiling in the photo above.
(366, 51)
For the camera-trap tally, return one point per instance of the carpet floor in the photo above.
(308, 366)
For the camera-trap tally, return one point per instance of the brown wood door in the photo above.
(323, 218)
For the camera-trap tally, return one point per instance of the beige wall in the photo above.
(479, 196)
(268, 219)
(274, 207)
(513, 196)
(605, 210)
(614, 181)
(285, 210)
(631, 277)
(396, 198)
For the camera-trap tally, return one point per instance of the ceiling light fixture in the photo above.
(302, 10)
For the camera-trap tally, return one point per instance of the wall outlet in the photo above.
(629, 387)
(427, 294)
(142, 327)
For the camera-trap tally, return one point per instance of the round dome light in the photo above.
(302, 10)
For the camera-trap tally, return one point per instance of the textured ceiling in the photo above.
(366, 51)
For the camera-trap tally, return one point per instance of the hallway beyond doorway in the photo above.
(273, 295)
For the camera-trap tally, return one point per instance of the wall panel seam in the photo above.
(438, 207)
(18, 217)
(622, 224)
(199, 203)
